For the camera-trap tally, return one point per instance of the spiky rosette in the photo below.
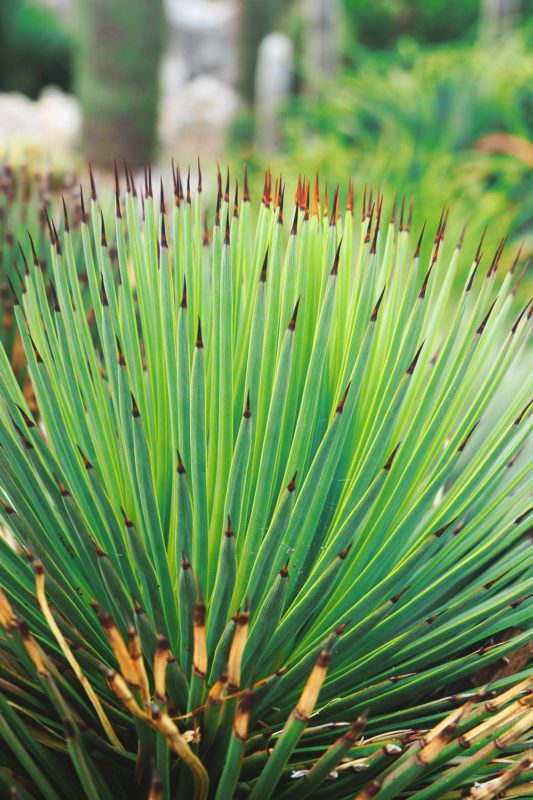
(264, 495)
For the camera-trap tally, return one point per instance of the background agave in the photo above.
(27, 195)
(263, 497)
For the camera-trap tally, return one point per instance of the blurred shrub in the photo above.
(380, 24)
(34, 50)
(441, 98)
(413, 122)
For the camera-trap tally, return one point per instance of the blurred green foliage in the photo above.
(381, 23)
(414, 119)
(439, 99)
(34, 50)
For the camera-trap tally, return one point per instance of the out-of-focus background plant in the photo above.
(434, 98)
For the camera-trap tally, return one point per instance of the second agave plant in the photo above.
(26, 196)
(264, 500)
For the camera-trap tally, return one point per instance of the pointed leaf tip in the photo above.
(393, 212)
(226, 189)
(26, 270)
(263, 275)
(33, 251)
(118, 210)
(205, 234)
(120, 354)
(374, 245)
(36, 353)
(86, 463)
(339, 630)
(333, 217)
(247, 409)
(162, 208)
(522, 414)
(164, 242)
(374, 314)
(93, 185)
(127, 174)
(343, 553)
(516, 259)
(56, 241)
(467, 437)
(236, 201)
(472, 276)
(294, 227)
(226, 234)
(127, 521)
(479, 254)
(117, 182)
(134, 407)
(523, 515)
(519, 318)
(65, 216)
(349, 197)
(148, 191)
(340, 407)
(391, 458)
(13, 292)
(292, 323)
(422, 292)
(438, 533)
(419, 243)
(461, 240)
(102, 230)
(412, 365)
(496, 259)
(397, 596)
(245, 190)
(54, 298)
(28, 421)
(132, 182)
(103, 293)
(199, 341)
(7, 508)
(82, 206)
(63, 491)
(199, 184)
(486, 319)
(335, 267)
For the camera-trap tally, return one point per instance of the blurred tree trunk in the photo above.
(257, 19)
(120, 45)
(498, 17)
(322, 20)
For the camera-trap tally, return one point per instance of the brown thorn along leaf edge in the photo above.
(350, 485)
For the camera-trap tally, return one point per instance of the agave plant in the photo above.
(267, 538)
